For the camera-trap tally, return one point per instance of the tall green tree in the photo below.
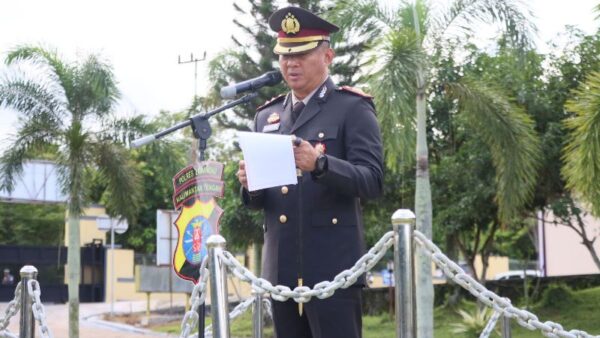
(64, 104)
(401, 77)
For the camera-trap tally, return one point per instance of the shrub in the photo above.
(557, 296)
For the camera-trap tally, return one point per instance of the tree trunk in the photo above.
(452, 253)
(423, 283)
(589, 244)
(74, 272)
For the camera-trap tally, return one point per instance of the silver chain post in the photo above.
(403, 221)
(27, 323)
(219, 300)
(258, 314)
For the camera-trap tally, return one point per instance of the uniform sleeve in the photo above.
(255, 199)
(361, 174)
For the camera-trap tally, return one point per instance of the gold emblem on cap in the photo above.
(290, 24)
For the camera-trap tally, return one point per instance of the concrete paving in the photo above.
(90, 324)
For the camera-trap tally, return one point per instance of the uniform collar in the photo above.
(309, 96)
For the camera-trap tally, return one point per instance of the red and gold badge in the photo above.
(273, 118)
(320, 148)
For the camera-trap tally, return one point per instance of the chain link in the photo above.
(11, 310)
(190, 319)
(303, 294)
(499, 304)
(39, 313)
(6, 334)
(491, 324)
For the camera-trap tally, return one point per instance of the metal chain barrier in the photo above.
(303, 294)
(489, 327)
(190, 320)
(34, 290)
(499, 304)
(11, 310)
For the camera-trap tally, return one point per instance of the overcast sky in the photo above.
(142, 39)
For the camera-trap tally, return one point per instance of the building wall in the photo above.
(563, 253)
(88, 231)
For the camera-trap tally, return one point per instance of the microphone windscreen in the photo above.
(228, 92)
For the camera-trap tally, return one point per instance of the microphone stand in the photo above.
(202, 131)
(199, 123)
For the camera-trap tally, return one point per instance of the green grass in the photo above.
(583, 314)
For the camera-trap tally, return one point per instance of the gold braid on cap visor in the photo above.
(312, 43)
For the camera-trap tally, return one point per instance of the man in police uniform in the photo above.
(314, 230)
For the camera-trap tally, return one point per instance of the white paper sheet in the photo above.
(269, 160)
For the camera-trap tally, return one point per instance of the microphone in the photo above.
(267, 79)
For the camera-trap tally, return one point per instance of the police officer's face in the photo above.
(304, 72)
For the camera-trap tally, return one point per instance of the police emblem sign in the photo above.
(195, 189)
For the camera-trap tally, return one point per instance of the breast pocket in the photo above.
(323, 134)
(324, 139)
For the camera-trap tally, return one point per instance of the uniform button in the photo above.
(282, 219)
(321, 135)
(334, 221)
(284, 190)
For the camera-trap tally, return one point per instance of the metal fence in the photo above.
(214, 268)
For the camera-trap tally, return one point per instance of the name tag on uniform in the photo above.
(271, 127)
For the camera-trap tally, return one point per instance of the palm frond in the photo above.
(581, 153)
(509, 133)
(393, 84)
(34, 134)
(11, 165)
(33, 99)
(95, 90)
(121, 177)
(361, 15)
(463, 15)
(39, 55)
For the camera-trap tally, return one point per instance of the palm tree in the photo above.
(400, 73)
(582, 151)
(63, 106)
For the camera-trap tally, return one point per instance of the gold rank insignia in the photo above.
(290, 24)
(273, 118)
(320, 148)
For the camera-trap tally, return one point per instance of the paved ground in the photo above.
(90, 323)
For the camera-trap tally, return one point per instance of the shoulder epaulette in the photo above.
(271, 101)
(355, 91)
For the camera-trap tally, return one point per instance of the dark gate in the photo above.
(50, 262)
